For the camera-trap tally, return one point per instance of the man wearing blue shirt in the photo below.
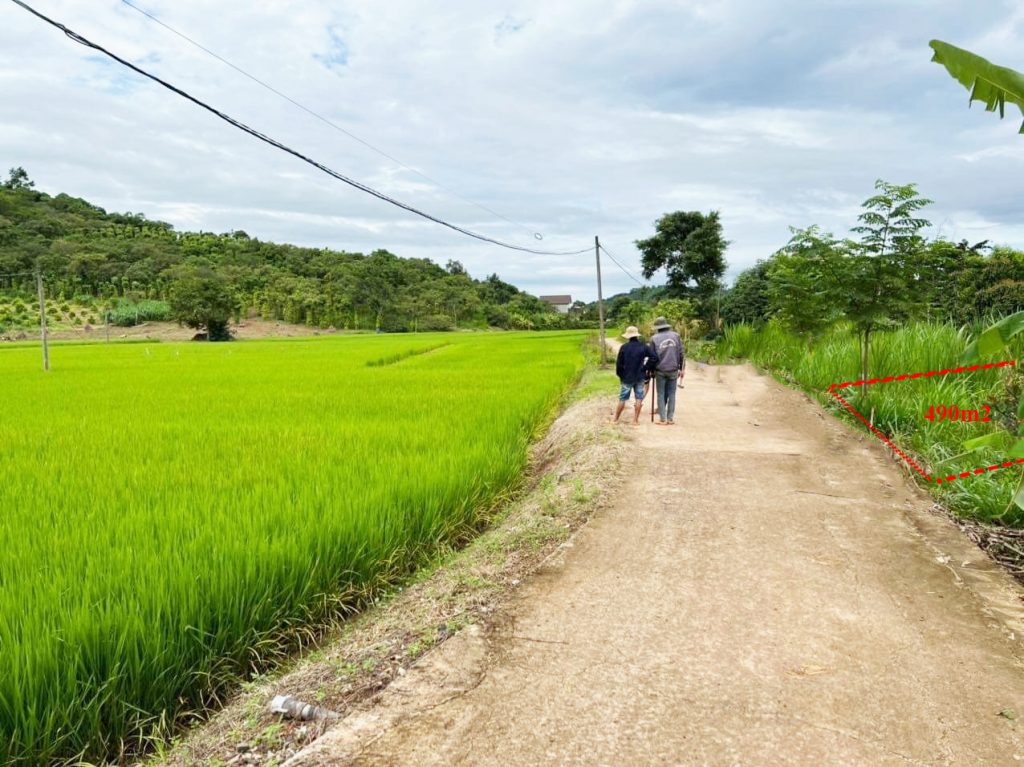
(635, 362)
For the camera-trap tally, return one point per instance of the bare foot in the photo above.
(671, 423)
(661, 423)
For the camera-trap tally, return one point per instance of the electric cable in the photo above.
(326, 121)
(71, 34)
(624, 269)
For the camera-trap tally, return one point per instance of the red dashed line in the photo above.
(905, 376)
(880, 435)
(887, 441)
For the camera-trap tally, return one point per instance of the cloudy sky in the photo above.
(571, 119)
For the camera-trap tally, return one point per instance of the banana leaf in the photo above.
(988, 83)
(995, 340)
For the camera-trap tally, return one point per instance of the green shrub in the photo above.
(126, 313)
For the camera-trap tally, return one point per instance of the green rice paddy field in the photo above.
(171, 513)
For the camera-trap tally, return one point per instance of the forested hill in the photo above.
(105, 259)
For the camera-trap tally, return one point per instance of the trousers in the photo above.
(666, 386)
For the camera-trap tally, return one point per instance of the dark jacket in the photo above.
(635, 360)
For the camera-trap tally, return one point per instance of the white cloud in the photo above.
(573, 119)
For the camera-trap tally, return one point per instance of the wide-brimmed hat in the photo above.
(631, 332)
(661, 324)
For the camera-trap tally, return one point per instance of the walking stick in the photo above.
(654, 394)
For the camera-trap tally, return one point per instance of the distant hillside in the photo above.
(118, 260)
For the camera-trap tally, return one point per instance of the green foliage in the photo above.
(91, 254)
(690, 247)
(203, 299)
(748, 300)
(995, 340)
(804, 280)
(899, 407)
(18, 180)
(886, 276)
(988, 83)
(245, 494)
(677, 312)
(876, 284)
(126, 312)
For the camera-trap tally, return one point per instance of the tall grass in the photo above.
(173, 513)
(899, 407)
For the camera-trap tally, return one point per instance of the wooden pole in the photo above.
(600, 301)
(42, 319)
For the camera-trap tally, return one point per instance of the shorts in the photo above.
(637, 389)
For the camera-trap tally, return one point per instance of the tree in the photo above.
(988, 83)
(947, 279)
(633, 313)
(18, 179)
(878, 280)
(494, 290)
(202, 298)
(747, 300)
(690, 247)
(1000, 283)
(804, 280)
(678, 312)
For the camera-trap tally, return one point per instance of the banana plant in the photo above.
(995, 341)
(988, 83)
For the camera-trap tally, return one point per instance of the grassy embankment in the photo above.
(178, 515)
(899, 407)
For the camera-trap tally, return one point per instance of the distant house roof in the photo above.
(557, 300)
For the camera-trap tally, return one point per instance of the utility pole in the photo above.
(600, 301)
(42, 319)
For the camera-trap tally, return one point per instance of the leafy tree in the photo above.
(83, 250)
(878, 279)
(748, 299)
(633, 313)
(804, 280)
(495, 291)
(18, 179)
(946, 279)
(201, 298)
(1000, 283)
(691, 248)
(678, 312)
(988, 83)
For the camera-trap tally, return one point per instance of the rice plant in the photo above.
(175, 516)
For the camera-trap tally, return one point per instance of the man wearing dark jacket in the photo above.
(635, 362)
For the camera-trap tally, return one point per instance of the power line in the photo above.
(326, 121)
(278, 145)
(624, 269)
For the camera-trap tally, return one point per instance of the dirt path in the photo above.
(766, 589)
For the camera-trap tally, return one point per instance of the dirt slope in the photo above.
(766, 589)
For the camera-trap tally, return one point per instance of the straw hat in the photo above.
(631, 332)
